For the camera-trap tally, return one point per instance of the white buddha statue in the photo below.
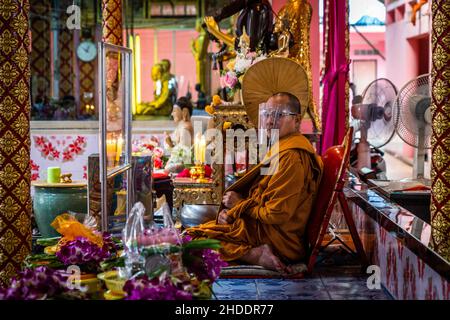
(181, 140)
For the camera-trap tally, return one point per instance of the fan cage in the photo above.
(407, 128)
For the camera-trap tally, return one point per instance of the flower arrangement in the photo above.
(180, 156)
(231, 78)
(150, 146)
(174, 267)
(38, 284)
(170, 266)
(80, 245)
(86, 254)
(159, 288)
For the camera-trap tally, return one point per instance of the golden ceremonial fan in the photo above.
(270, 76)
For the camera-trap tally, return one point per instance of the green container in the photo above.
(51, 200)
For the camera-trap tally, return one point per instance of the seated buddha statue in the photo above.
(173, 83)
(162, 103)
(181, 142)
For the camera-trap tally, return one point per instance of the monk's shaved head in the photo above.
(293, 102)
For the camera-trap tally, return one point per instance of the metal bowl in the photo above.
(194, 214)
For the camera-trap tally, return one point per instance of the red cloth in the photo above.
(334, 115)
(186, 174)
(159, 175)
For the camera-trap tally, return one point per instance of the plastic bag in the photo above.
(161, 247)
(131, 234)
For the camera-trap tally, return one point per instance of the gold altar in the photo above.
(189, 191)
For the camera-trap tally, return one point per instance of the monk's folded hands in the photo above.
(224, 217)
(231, 199)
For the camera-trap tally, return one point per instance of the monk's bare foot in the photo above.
(263, 256)
(270, 261)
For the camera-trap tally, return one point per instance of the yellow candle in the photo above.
(196, 149)
(110, 151)
(202, 149)
(119, 148)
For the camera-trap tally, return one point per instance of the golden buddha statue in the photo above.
(173, 83)
(294, 21)
(199, 47)
(162, 103)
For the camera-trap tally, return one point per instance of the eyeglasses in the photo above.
(276, 114)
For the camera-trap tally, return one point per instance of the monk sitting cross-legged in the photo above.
(263, 217)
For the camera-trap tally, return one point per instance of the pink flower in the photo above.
(55, 154)
(34, 166)
(251, 55)
(81, 140)
(228, 80)
(34, 176)
(75, 148)
(47, 149)
(39, 141)
(67, 156)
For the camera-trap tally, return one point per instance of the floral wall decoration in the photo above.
(34, 170)
(65, 149)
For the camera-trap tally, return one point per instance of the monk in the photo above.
(262, 218)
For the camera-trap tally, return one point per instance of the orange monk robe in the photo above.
(276, 207)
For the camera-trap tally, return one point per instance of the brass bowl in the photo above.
(195, 214)
(114, 284)
(89, 282)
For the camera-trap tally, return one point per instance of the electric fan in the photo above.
(413, 110)
(373, 116)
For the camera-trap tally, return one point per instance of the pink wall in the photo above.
(376, 36)
(183, 63)
(403, 52)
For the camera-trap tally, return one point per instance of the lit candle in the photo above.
(110, 150)
(196, 149)
(119, 148)
(202, 149)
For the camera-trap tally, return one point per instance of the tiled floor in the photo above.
(317, 287)
(338, 282)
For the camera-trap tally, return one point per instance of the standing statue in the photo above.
(255, 18)
(162, 103)
(295, 22)
(199, 47)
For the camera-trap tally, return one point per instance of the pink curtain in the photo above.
(335, 79)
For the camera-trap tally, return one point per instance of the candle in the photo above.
(119, 148)
(202, 149)
(196, 149)
(110, 150)
(53, 174)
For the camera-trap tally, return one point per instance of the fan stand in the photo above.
(363, 150)
(419, 156)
